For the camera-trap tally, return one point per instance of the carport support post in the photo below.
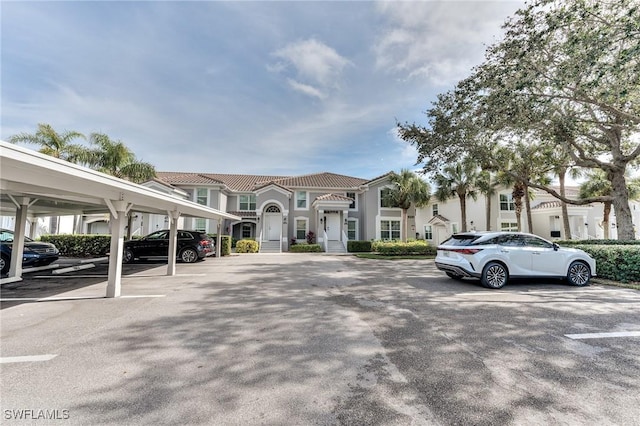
(117, 222)
(15, 266)
(173, 239)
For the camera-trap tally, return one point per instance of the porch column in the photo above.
(345, 224)
(15, 265)
(117, 221)
(173, 241)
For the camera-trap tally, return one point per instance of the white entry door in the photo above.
(333, 227)
(272, 226)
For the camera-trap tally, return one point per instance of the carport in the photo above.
(31, 182)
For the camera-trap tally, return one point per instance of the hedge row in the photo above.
(598, 242)
(247, 246)
(354, 246)
(80, 245)
(305, 248)
(618, 263)
(393, 248)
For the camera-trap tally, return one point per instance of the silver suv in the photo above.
(495, 257)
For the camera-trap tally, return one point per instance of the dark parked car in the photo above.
(36, 253)
(192, 246)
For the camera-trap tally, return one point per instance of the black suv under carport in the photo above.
(192, 246)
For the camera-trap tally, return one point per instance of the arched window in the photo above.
(272, 209)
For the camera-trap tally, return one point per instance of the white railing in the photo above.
(344, 241)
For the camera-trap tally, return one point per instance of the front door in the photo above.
(333, 227)
(272, 226)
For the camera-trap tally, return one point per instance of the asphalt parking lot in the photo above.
(312, 339)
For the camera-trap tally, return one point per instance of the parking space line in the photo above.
(603, 335)
(62, 298)
(31, 358)
(136, 296)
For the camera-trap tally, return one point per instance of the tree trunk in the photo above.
(488, 212)
(463, 212)
(517, 195)
(527, 203)
(620, 193)
(563, 205)
(605, 219)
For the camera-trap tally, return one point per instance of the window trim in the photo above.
(249, 209)
(197, 196)
(355, 200)
(429, 233)
(435, 209)
(389, 219)
(511, 226)
(510, 202)
(357, 230)
(380, 206)
(306, 200)
(306, 227)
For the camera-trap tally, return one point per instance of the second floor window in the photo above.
(301, 199)
(247, 202)
(506, 202)
(385, 200)
(352, 195)
(434, 209)
(202, 196)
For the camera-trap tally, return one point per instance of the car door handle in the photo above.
(536, 252)
(504, 251)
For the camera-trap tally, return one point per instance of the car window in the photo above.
(530, 241)
(488, 242)
(6, 236)
(460, 240)
(511, 240)
(185, 235)
(160, 235)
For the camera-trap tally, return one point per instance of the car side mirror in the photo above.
(555, 247)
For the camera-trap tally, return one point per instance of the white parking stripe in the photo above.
(32, 358)
(603, 335)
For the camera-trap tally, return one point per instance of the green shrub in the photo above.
(354, 246)
(225, 244)
(247, 246)
(80, 245)
(396, 248)
(618, 263)
(598, 242)
(306, 248)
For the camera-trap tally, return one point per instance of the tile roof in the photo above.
(334, 197)
(251, 182)
(322, 180)
(245, 214)
(547, 205)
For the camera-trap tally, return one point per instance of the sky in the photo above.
(277, 88)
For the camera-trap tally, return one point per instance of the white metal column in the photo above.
(17, 248)
(173, 241)
(118, 220)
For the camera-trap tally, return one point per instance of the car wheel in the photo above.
(4, 265)
(579, 273)
(189, 255)
(494, 275)
(454, 276)
(128, 256)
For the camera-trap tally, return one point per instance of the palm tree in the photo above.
(56, 145)
(598, 184)
(486, 186)
(458, 180)
(116, 159)
(53, 143)
(407, 189)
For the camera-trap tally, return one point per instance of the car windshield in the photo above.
(460, 240)
(7, 237)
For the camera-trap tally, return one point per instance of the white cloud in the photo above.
(437, 41)
(315, 64)
(306, 89)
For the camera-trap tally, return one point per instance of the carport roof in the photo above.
(57, 187)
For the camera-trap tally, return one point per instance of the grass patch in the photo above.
(399, 257)
(632, 285)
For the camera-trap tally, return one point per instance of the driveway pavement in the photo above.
(311, 339)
